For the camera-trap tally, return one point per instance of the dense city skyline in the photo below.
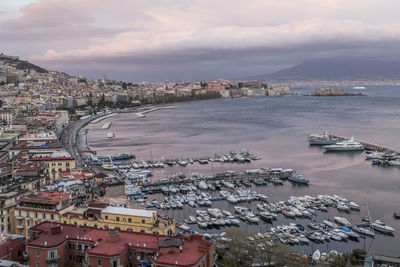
(181, 40)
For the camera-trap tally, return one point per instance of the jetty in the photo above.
(368, 145)
(143, 113)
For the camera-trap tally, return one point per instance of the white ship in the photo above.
(347, 145)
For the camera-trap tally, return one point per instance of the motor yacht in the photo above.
(342, 221)
(322, 139)
(347, 145)
(380, 226)
(252, 218)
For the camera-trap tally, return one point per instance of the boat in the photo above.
(182, 163)
(375, 155)
(203, 185)
(347, 145)
(396, 215)
(322, 139)
(276, 181)
(110, 135)
(298, 178)
(109, 167)
(215, 213)
(343, 207)
(192, 204)
(266, 216)
(354, 206)
(330, 224)
(252, 218)
(342, 221)
(317, 255)
(380, 226)
(106, 125)
(289, 213)
(233, 220)
(359, 87)
(363, 230)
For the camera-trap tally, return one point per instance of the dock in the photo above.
(368, 145)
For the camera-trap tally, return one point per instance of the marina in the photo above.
(341, 173)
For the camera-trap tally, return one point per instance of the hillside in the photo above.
(334, 69)
(21, 64)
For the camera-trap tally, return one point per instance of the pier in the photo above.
(368, 145)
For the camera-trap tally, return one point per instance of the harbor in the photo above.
(341, 174)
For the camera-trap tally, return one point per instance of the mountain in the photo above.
(334, 69)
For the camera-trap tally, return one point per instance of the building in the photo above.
(8, 200)
(120, 218)
(45, 206)
(7, 115)
(12, 248)
(381, 261)
(68, 245)
(56, 163)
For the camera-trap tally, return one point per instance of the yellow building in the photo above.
(34, 209)
(119, 218)
(55, 163)
(8, 201)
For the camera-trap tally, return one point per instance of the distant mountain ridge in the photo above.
(333, 69)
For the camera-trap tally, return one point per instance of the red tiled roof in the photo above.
(46, 197)
(108, 244)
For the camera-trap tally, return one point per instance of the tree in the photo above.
(102, 101)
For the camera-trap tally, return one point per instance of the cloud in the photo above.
(148, 36)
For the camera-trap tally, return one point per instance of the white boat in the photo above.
(252, 218)
(347, 145)
(109, 167)
(321, 139)
(228, 184)
(226, 213)
(233, 220)
(359, 87)
(215, 213)
(375, 155)
(342, 206)
(192, 204)
(110, 135)
(288, 213)
(182, 163)
(106, 125)
(380, 226)
(342, 221)
(330, 224)
(363, 230)
(203, 185)
(232, 199)
(354, 206)
(317, 255)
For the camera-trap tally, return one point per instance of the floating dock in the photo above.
(368, 145)
(106, 125)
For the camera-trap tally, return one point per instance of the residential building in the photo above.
(120, 218)
(68, 245)
(56, 163)
(8, 200)
(12, 248)
(45, 206)
(7, 115)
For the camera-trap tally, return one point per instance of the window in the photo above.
(129, 220)
(67, 164)
(37, 253)
(35, 214)
(52, 254)
(142, 231)
(52, 216)
(37, 264)
(143, 221)
(59, 164)
(28, 223)
(106, 217)
(53, 164)
(98, 262)
(44, 215)
(27, 214)
(117, 218)
(19, 213)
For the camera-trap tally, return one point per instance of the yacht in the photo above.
(322, 139)
(252, 218)
(298, 178)
(380, 226)
(347, 145)
(359, 88)
(215, 213)
(375, 155)
(363, 230)
(342, 221)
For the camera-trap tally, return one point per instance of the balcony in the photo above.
(53, 260)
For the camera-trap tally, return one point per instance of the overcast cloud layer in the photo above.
(194, 39)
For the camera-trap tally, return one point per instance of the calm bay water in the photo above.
(276, 129)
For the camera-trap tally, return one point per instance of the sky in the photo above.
(158, 40)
